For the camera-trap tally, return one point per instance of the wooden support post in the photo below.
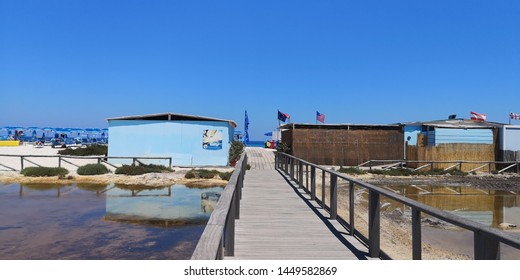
(485, 247)
(351, 195)
(229, 240)
(313, 183)
(21, 161)
(416, 234)
(59, 161)
(237, 196)
(374, 226)
(370, 165)
(333, 196)
(170, 162)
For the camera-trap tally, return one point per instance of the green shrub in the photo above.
(142, 169)
(44, 172)
(235, 151)
(352, 170)
(393, 172)
(225, 175)
(94, 150)
(410, 172)
(92, 169)
(207, 174)
(436, 171)
(283, 148)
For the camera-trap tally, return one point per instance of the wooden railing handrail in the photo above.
(218, 237)
(487, 239)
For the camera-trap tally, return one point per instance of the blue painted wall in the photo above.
(411, 131)
(181, 140)
(460, 135)
(511, 136)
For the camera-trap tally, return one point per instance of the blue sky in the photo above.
(75, 63)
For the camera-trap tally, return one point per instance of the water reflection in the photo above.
(160, 206)
(489, 207)
(88, 221)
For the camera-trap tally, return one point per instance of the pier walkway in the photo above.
(279, 221)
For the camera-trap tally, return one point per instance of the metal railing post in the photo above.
(323, 189)
(59, 161)
(313, 183)
(333, 196)
(374, 226)
(351, 207)
(485, 247)
(307, 177)
(300, 174)
(292, 168)
(21, 161)
(416, 234)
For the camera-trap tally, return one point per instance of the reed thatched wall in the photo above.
(334, 146)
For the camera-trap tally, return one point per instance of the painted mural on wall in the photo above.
(212, 139)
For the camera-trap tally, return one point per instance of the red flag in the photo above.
(478, 117)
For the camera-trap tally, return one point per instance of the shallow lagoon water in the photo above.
(82, 221)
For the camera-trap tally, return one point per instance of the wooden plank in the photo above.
(209, 243)
(276, 222)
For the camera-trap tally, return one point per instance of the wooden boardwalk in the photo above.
(278, 221)
(260, 158)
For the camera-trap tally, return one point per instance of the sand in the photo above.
(151, 179)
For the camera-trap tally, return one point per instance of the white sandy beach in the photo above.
(10, 156)
(28, 149)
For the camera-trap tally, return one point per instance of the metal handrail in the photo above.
(486, 239)
(218, 238)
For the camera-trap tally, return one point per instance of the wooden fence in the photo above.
(486, 243)
(467, 166)
(218, 238)
(444, 154)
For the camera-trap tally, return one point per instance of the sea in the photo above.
(256, 144)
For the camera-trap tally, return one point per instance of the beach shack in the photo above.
(189, 140)
(509, 143)
(451, 140)
(344, 144)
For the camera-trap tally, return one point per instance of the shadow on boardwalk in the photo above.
(279, 221)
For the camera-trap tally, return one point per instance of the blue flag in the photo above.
(246, 128)
(282, 116)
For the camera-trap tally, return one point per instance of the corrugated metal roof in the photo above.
(172, 117)
(455, 123)
(341, 126)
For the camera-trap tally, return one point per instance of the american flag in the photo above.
(514, 116)
(320, 117)
(478, 117)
